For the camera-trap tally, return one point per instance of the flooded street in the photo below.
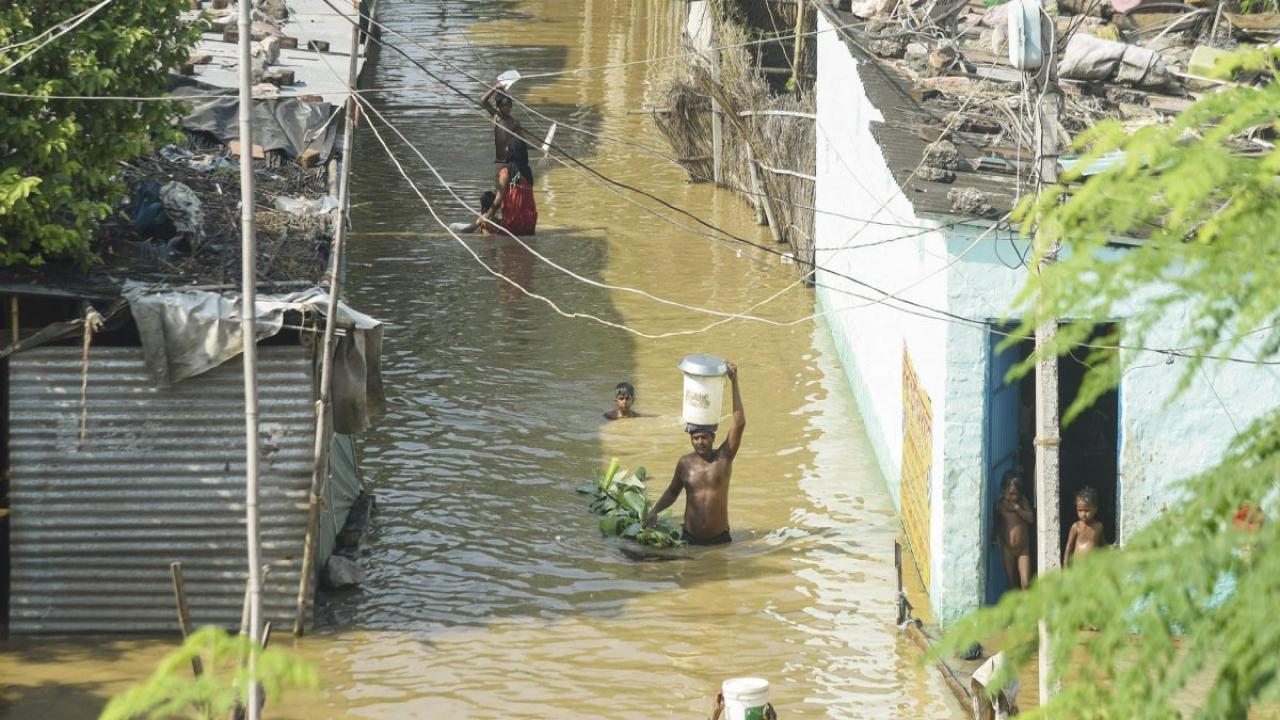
(490, 591)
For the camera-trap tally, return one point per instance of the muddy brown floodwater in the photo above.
(490, 591)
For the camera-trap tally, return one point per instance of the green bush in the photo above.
(60, 159)
(172, 691)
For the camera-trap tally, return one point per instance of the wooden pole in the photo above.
(1048, 439)
(320, 457)
(797, 49)
(14, 322)
(717, 116)
(184, 615)
(249, 337)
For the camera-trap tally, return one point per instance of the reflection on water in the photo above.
(490, 593)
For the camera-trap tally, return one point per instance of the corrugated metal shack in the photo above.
(111, 467)
(111, 476)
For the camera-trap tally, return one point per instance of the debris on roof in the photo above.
(179, 223)
(959, 117)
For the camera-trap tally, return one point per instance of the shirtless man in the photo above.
(704, 475)
(1086, 533)
(505, 126)
(1013, 522)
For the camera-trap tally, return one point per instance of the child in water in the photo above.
(1013, 520)
(1087, 532)
(623, 397)
(486, 227)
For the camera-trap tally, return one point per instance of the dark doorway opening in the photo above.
(1089, 449)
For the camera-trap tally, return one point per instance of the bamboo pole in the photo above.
(798, 48)
(319, 464)
(249, 338)
(717, 115)
(13, 319)
(184, 615)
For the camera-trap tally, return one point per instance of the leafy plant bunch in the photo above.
(59, 159)
(1192, 596)
(172, 691)
(622, 500)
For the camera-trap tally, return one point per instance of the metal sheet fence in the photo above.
(153, 476)
(917, 460)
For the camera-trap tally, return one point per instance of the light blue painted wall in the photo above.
(1161, 443)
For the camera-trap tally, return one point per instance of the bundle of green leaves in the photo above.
(60, 155)
(621, 498)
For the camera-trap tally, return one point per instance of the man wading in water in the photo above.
(704, 475)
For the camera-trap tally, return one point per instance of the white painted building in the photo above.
(943, 423)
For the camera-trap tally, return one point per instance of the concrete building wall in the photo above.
(1161, 442)
(855, 186)
(976, 277)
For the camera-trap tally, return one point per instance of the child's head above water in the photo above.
(624, 395)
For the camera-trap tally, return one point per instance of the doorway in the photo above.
(1089, 453)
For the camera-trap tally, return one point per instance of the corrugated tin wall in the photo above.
(159, 477)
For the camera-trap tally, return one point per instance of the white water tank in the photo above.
(703, 388)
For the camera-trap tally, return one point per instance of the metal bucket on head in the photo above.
(703, 388)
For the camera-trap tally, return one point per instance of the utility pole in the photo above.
(1048, 439)
(320, 464)
(249, 338)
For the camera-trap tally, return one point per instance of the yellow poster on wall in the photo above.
(917, 458)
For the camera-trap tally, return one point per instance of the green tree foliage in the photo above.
(172, 691)
(1186, 609)
(59, 159)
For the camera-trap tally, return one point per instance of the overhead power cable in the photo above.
(468, 98)
(66, 26)
(638, 145)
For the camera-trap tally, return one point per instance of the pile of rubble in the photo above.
(1136, 61)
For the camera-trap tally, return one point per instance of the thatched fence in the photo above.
(767, 151)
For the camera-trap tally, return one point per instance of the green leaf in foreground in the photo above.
(172, 691)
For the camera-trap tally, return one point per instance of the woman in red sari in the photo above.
(519, 212)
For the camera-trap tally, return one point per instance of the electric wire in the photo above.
(602, 136)
(69, 25)
(938, 314)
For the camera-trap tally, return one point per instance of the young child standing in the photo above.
(1087, 532)
(624, 395)
(1013, 521)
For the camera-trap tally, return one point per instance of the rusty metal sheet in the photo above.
(157, 477)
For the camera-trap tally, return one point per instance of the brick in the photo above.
(311, 97)
(200, 59)
(270, 48)
(278, 76)
(309, 158)
(289, 43)
(318, 45)
(258, 152)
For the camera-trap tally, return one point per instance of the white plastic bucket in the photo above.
(745, 698)
(703, 389)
